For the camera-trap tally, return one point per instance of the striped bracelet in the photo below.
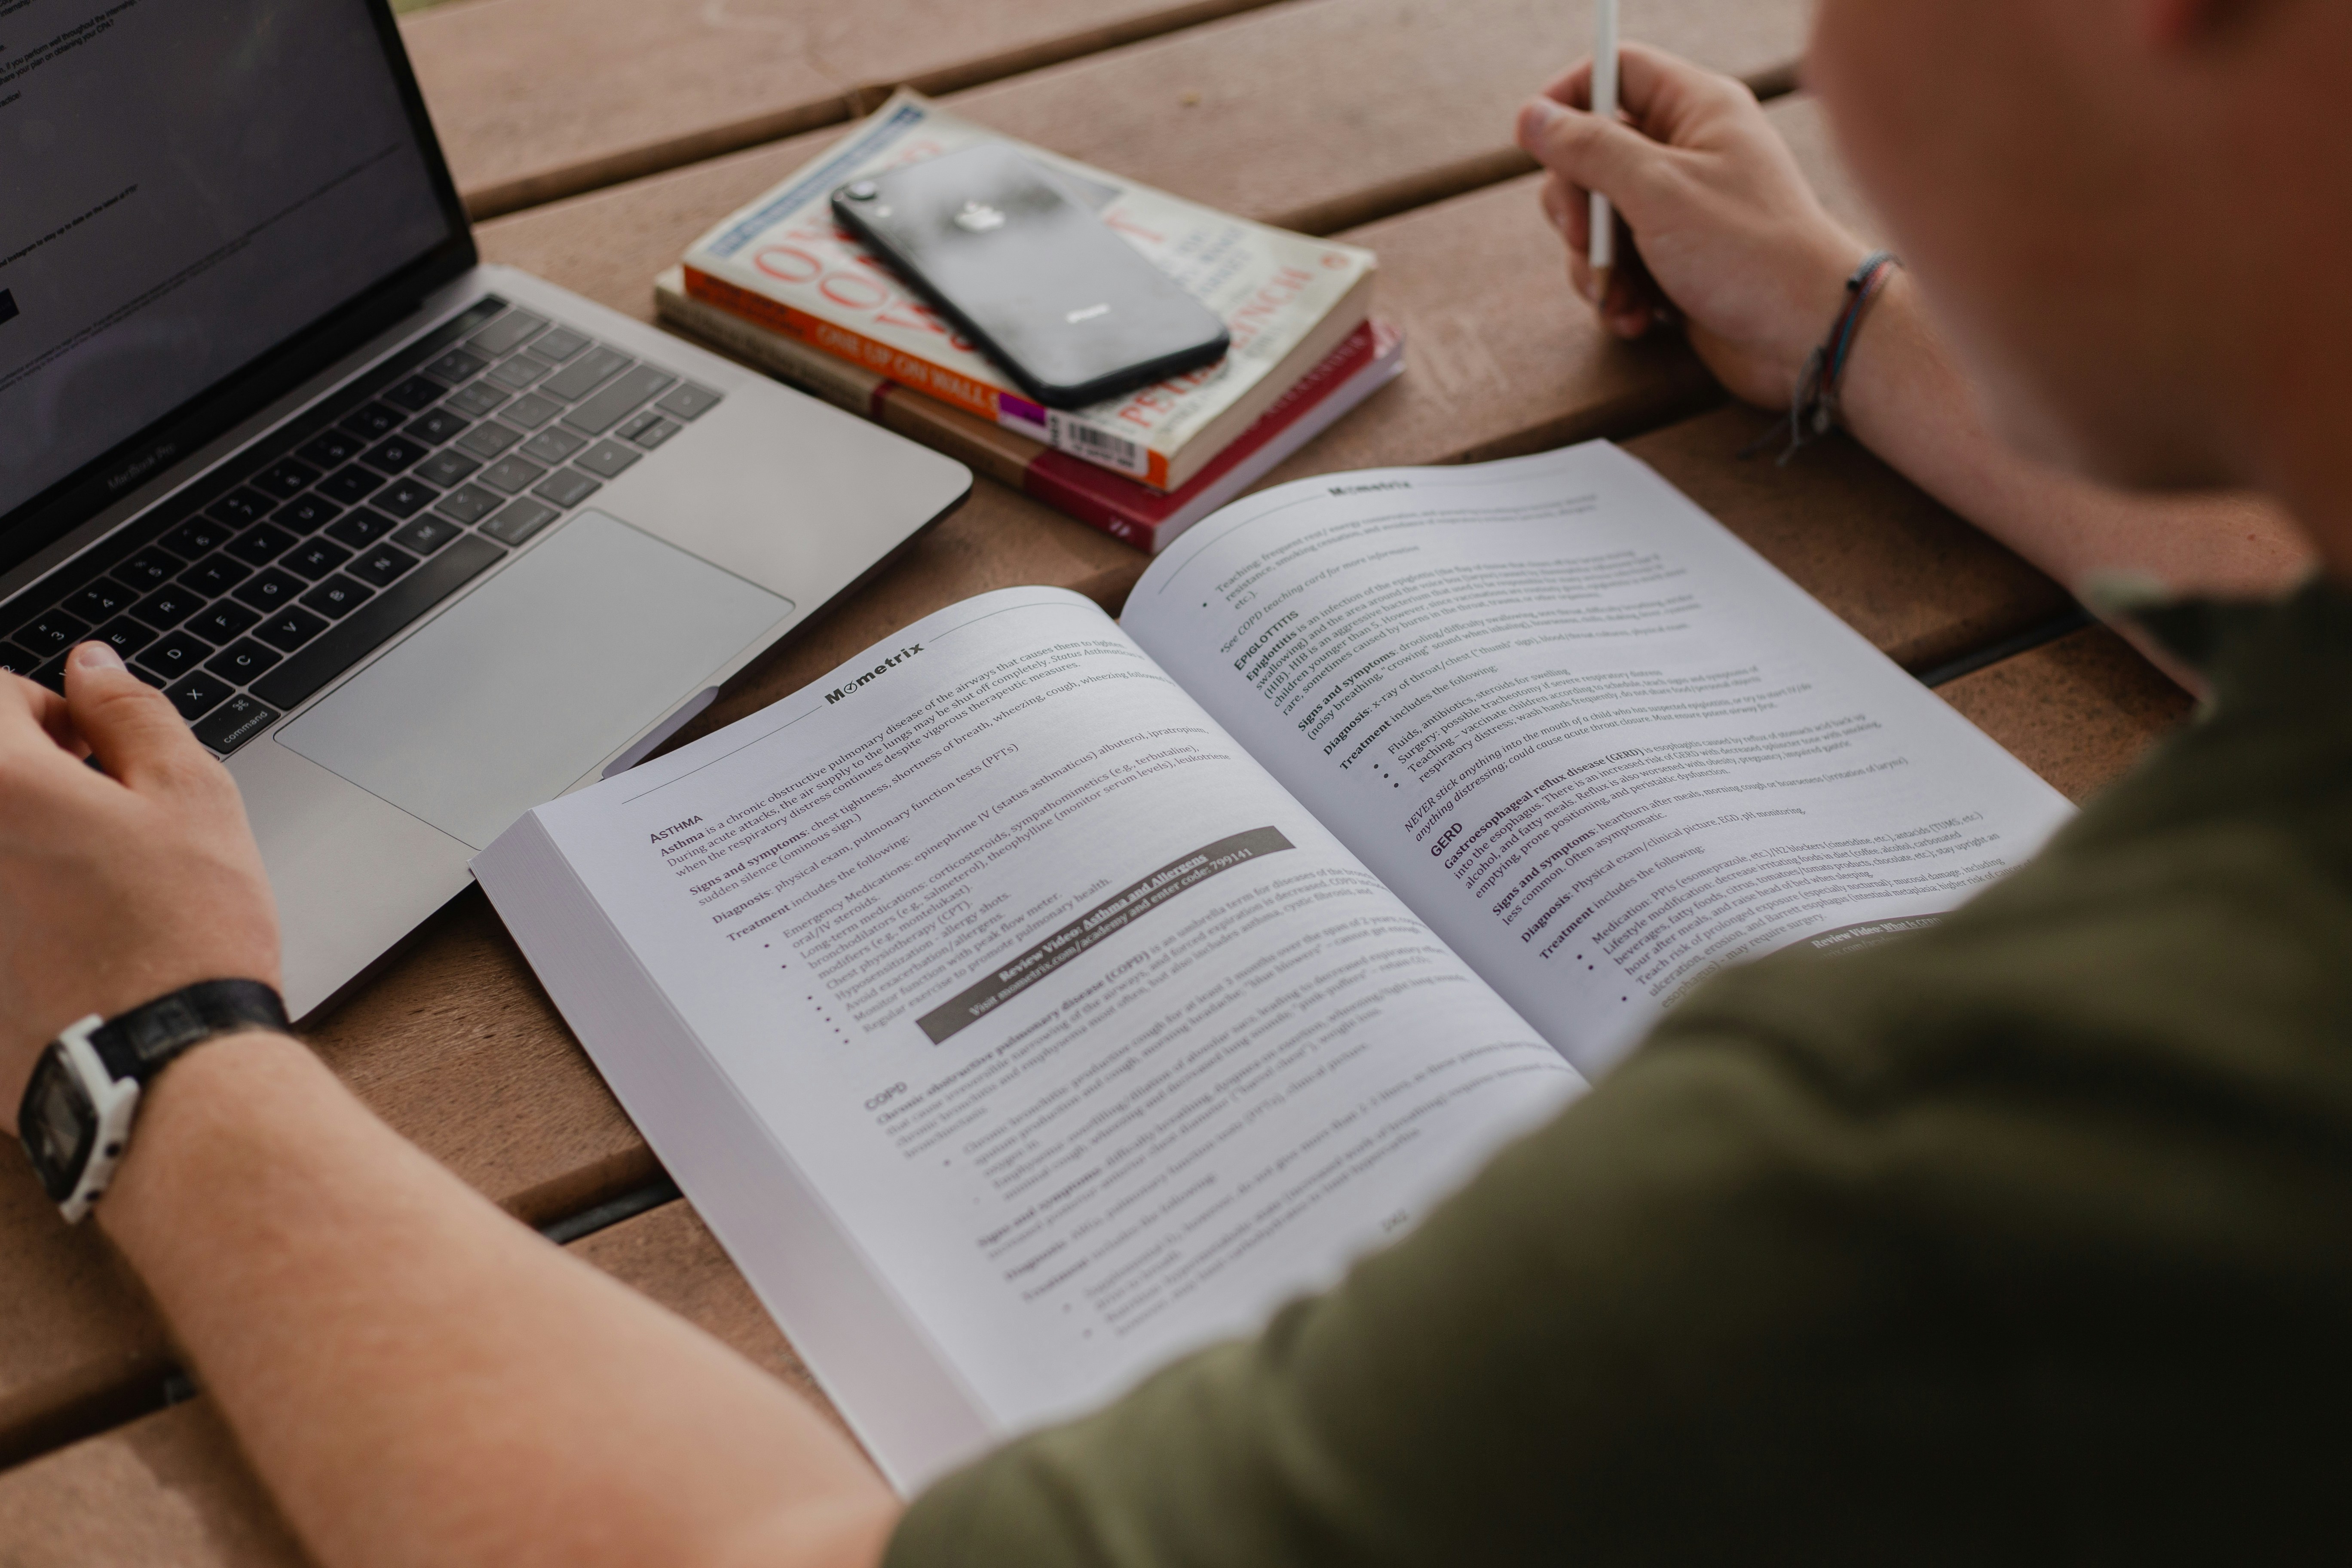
(1815, 411)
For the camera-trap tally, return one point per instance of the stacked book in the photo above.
(779, 284)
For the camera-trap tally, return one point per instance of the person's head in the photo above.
(2135, 214)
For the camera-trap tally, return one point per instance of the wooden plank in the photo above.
(539, 99)
(1417, 103)
(170, 1491)
(2082, 712)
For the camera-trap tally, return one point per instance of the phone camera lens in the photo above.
(863, 191)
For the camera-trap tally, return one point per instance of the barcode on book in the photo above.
(1101, 447)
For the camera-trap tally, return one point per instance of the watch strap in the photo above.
(139, 1044)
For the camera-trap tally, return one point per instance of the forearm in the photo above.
(421, 1380)
(1906, 401)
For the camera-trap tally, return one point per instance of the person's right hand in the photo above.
(1725, 223)
(118, 887)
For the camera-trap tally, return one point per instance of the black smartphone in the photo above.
(1073, 313)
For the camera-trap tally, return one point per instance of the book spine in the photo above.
(1081, 439)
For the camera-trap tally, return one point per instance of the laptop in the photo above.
(412, 542)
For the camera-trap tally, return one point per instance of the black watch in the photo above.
(75, 1117)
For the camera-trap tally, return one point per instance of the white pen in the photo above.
(1603, 253)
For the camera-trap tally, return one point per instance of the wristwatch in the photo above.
(75, 1121)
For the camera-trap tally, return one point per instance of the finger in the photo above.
(1587, 150)
(1572, 86)
(21, 699)
(136, 734)
(1664, 94)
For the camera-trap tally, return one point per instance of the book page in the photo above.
(1599, 745)
(1095, 1043)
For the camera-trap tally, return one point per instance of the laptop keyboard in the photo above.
(335, 532)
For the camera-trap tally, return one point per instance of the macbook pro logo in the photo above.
(979, 217)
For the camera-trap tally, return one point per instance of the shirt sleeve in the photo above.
(1665, 1290)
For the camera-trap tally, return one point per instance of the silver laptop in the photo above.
(413, 543)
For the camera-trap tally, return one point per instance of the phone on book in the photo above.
(1072, 312)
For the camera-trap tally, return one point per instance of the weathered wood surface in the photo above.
(456, 1044)
(170, 1489)
(2081, 711)
(536, 100)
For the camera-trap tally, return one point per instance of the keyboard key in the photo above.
(150, 568)
(434, 428)
(406, 497)
(98, 601)
(565, 487)
(235, 722)
(427, 534)
(506, 334)
(352, 485)
(176, 655)
(518, 372)
(224, 622)
(395, 455)
(198, 695)
(489, 440)
(559, 345)
(587, 374)
(361, 529)
(372, 422)
(261, 544)
(607, 459)
(289, 628)
(361, 632)
(532, 411)
(513, 475)
(519, 519)
(618, 401)
(242, 661)
(689, 402)
(167, 607)
(272, 589)
(649, 429)
(287, 479)
(329, 449)
(306, 514)
(124, 635)
(239, 509)
(201, 535)
(457, 365)
(416, 394)
(470, 504)
(51, 675)
(49, 634)
(553, 445)
(338, 596)
(448, 469)
(378, 567)
(14, 660)
(215, 575)
(147, 676)
(478, 399)
(314, 558)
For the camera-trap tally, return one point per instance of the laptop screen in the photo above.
(185, 186)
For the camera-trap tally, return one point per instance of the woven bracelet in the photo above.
(1815, 412)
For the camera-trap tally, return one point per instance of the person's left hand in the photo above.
(120, 887)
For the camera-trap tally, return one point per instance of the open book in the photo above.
(1037, 996)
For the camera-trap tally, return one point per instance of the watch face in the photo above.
(59, 1124)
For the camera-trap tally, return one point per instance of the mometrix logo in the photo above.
(847, 686)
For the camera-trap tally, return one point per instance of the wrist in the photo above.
(199, 1124)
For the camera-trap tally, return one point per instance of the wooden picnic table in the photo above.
(597, 138)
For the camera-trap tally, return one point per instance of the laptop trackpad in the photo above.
(535, 677)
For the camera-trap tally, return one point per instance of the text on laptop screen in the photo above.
(185, 184)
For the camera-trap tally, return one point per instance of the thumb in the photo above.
(1588, 152)
(131, 729)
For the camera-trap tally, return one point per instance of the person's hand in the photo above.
(1724, 226)
(120, 887)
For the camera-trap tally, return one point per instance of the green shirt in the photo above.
(2027, 1238)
